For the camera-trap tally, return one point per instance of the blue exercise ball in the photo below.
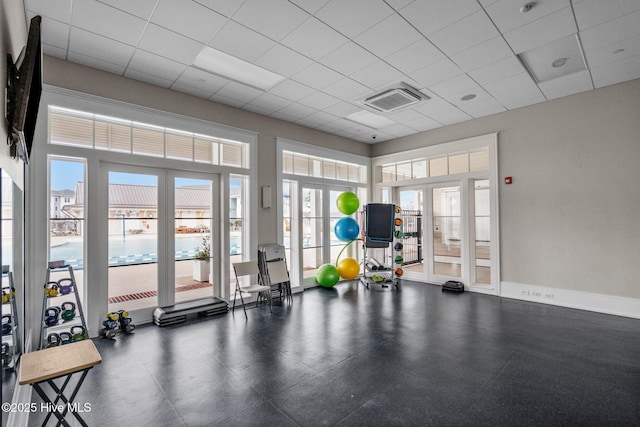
(346, 229)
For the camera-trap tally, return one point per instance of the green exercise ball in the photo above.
(347, 203)
(327, 275)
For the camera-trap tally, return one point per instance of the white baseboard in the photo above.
(609, 304)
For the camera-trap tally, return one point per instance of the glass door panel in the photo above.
(133, 241)
(312, 231)
(412, 204)
(482, 232)
(192, 227)
(447, 231)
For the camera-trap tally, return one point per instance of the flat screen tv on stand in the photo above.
(24, 87)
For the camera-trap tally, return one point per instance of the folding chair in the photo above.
(249, 268)
(278, 275)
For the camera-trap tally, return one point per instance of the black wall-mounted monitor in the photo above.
(24, 87)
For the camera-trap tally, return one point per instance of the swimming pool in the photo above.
(135, 250)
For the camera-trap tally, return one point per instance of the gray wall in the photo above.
(87, 80)
(570, 220)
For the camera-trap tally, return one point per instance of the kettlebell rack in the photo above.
(10, 334)
(63, 320)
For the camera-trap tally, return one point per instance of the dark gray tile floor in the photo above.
(355, 357)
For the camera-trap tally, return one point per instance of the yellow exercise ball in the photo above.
(349, 268)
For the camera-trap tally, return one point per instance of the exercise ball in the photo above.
(399, 272)
(346, 229)
(327, 275)
(349, 268)
(347, 203)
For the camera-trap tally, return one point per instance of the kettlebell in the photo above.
(65, 338)
(51, 316)
(65, 286)
(7, 294)
(6, 324)
(6, 355)
(51, 289)
(78, 333)
(68, 311)
(53, 340)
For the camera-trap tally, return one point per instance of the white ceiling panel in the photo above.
(274, 18)
(333, 53)
(353, 17)
(314, 39)
(188, 18)
(241, 42)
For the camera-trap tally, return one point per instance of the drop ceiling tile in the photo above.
(282, 60)
(507, 16)
(398, 130)
(450, 116)
(223, 7)
(264, 111)
(616, 72)
(54, 51)
(487, 3)
(85, 43)
(56, 33)
(147, 78)
(348, 58)
(241, 42)
(590, 13)
(96, 63)
(239, 92)
(318, 100)
(389, 36)
(545, 30)
(567, 85)
(169, 44)
(451, 88)
(270, 102)
(294, 112)
(201, 80)
(422, 124)
(140, 8)
(347, 90)
(431, 16)
(378, 75)
(433, 105)
(275, 18)
(310, 6)
(189, 19)
(515, 91)
(436, 73)
(342, 109)
(98, 18)
(291, 90)
(226, 101)
(406, 115)
(316, 119)
(415, 56)
(482, 105)
(612, 31)
(462, 35)
(60, 10)
(398, 4)
(612, 53)
(497, 71)
(314, 39)
(336, 125)
(156, 65)
(317, 76)
(488, 52)
(353, 17)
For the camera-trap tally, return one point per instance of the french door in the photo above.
(449, 233)
(158, 221)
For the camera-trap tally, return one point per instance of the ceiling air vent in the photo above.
(395, 99)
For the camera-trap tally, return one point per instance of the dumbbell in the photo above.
(51, 316)
(6, 356)
(78, 333)
(68, 311)
(53, 340)
(7, 294)
(6, 324)
(110, 324)
(51, 289)
(65, 286)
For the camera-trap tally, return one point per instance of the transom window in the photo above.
(439, 165)
(319, 167)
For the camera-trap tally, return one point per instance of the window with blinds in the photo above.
(94, 131)
(320, 167)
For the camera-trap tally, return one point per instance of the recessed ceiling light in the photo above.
(559, 62)
(370, 119)
(222, 64)
(527, 7)
(468, 97)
